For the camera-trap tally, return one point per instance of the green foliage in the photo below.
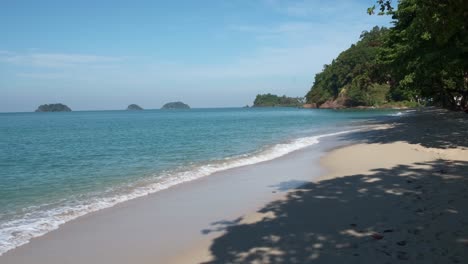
(355, 74)
(386, 8)
(176, 105)
(53, 108)
(374, 95)
(271, 100)
(318, 96)
(426, 52)
(134, 107)
(422, 59)
(401, 104)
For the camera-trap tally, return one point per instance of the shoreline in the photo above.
(199, 228)
(389, 198)
(270, 153)
(59, 246)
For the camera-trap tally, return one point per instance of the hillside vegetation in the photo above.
(175, 105)
(271, 100)
(134, 107)
(421, 60)
(355, 77)
(53, 108)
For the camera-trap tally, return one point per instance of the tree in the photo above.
(270, 100)
(385, 7)
(354, 76)
(426, 51)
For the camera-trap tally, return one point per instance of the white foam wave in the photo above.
(397, 114)
(38, 222)
(402, 113)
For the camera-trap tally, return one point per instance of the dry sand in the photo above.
(399, 195)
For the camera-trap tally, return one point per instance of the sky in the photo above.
(99, 55)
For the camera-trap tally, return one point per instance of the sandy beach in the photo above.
(394, 193)
(158, 227)
(398, 194)
(234, 132)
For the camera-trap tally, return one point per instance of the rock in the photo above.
(401, 243)
(175, 105)
(53, 108)
(377, 236)
(313, 105)
(332, 104)
(134, 107)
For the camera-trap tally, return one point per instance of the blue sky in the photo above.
(95, 55)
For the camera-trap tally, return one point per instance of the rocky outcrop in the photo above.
(331, 104)
(134, 107)
(313, 105)
(342, 101)
(53, 108)
(176, 105)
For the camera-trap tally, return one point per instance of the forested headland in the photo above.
(420, 60)
(271, 100)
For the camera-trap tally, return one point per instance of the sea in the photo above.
(55, 167)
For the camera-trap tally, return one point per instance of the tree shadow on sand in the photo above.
(436, 128)
(407, 213)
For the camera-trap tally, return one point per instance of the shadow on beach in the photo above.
(416, 213)
(436, 128)
(388, 216)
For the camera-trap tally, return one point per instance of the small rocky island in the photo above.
(53, 108)
(176, 105)
(134, 107)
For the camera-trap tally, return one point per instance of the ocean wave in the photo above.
(402, 113)
(397, 114)
(40, 221)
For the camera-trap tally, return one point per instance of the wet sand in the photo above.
(155, 228)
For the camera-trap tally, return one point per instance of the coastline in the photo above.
(233, 217)
(397, 193)
(164, 223)
(36, 223)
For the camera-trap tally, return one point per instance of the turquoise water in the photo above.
(55, 167)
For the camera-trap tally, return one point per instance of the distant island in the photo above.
(271, 100)
(53, 108)
(176, 105)
(134, 107)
